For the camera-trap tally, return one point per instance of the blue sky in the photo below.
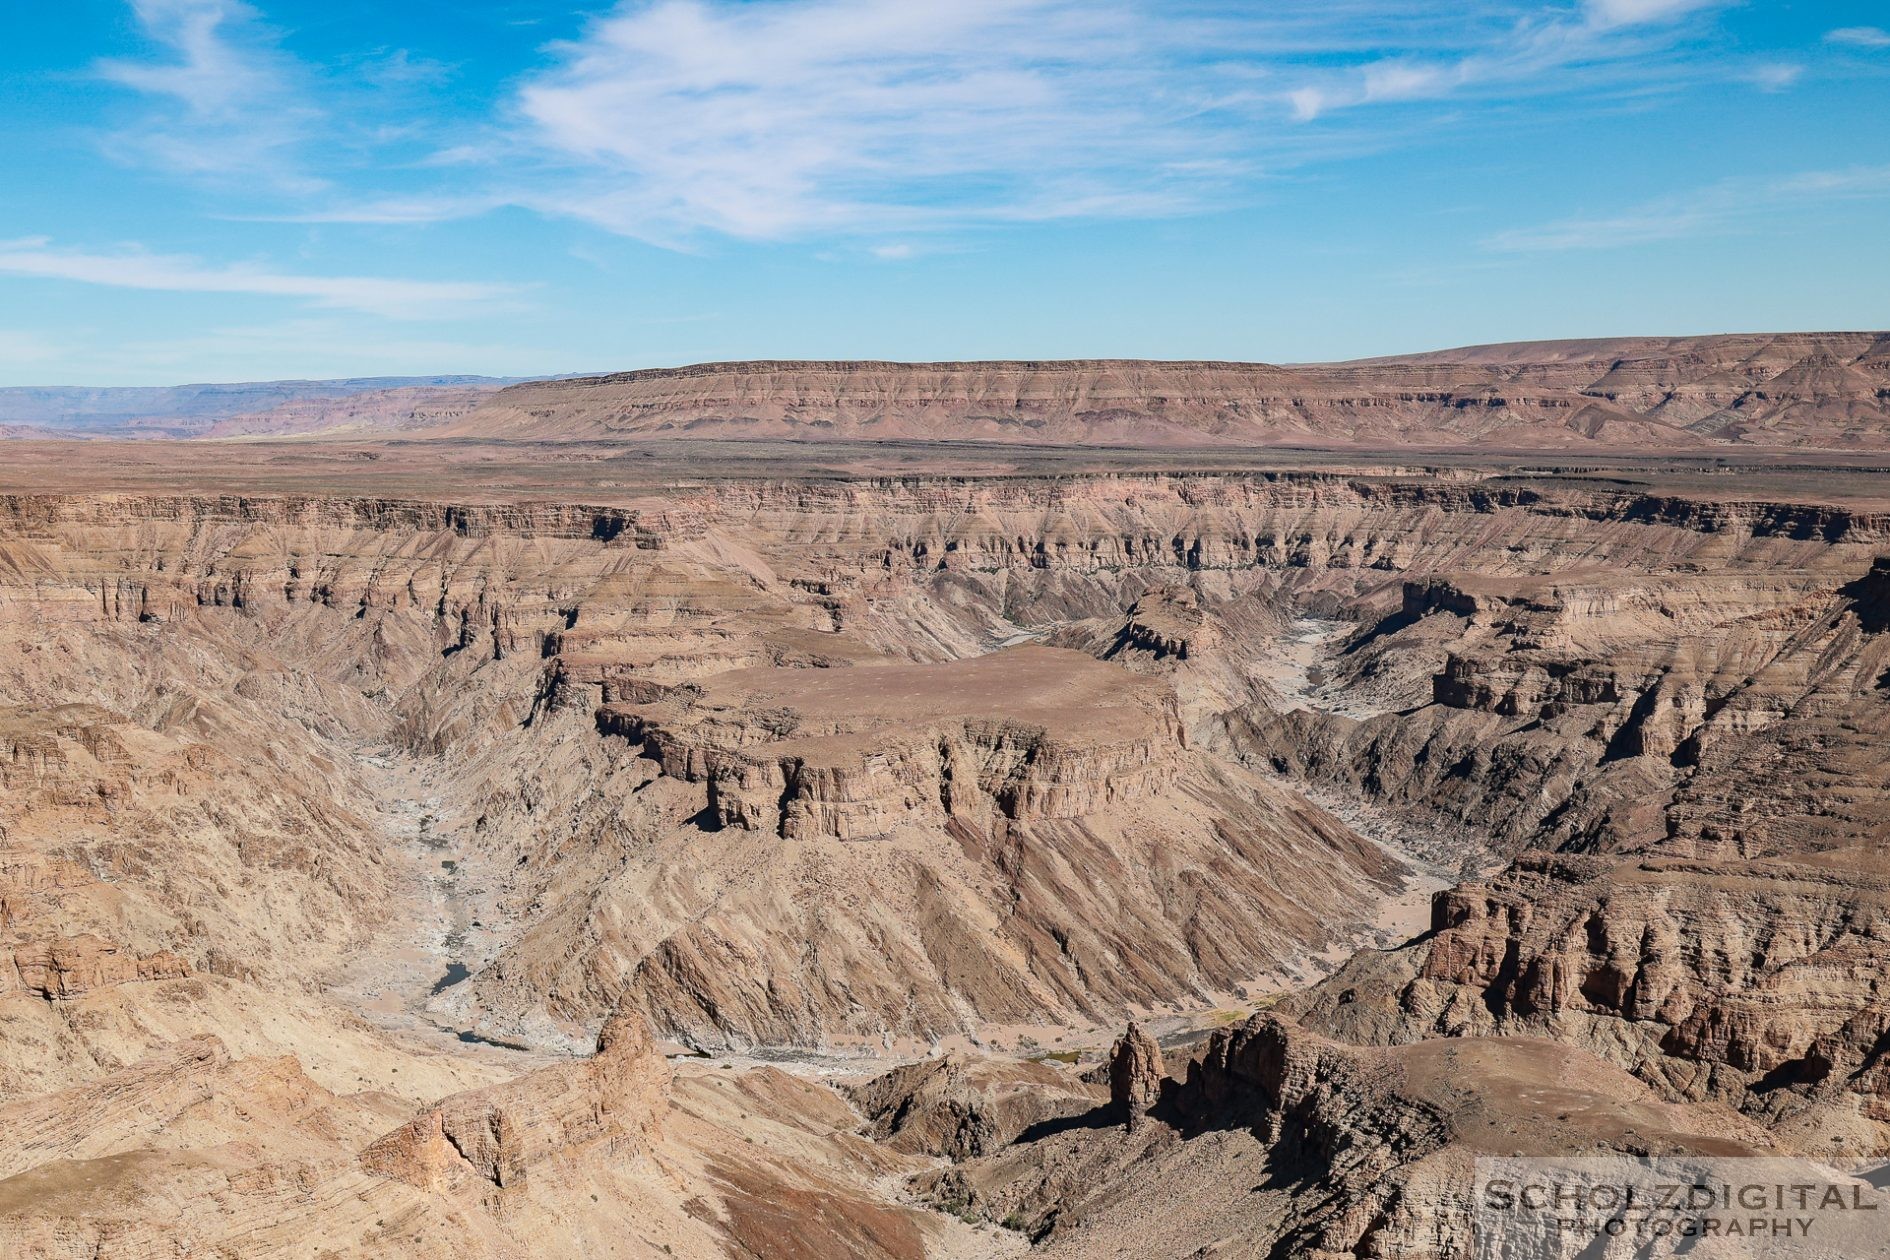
(221, 190)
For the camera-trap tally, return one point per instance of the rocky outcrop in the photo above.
(1162, 625)
(965, 1106)
(605, 1107)
(1381, 1142)
(65, 969)
(1727, 979)
(1617, 711)
(1283, 1143)
(1869, 597)
(1136, 1073)
(1694, 762)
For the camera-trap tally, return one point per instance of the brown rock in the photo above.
(611, 1103)
(963, 1106)
(64, 969)
(1136, 1073)
(745, 758)
(1669, 392)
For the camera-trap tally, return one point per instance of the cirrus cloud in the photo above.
(769, 120)
(806, 117)
(37, 257)
(815, 115)
(1727, 206)
(224, 100)
(1859, 36)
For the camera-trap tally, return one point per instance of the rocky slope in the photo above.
(357, 850)
(193, 1151)
(1809, 390)
(681, 762)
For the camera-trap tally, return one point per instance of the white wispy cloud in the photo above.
(1542, 50)
(1727, 206)
(806, 117)
(222, 98)
(1776, 76)
(38, 257)
(388, 210)
(210, 75)
(1613, 13)
(670, 119)
(1859, 36)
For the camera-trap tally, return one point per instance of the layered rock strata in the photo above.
(1821, 390)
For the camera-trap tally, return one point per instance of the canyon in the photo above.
(1028, 811)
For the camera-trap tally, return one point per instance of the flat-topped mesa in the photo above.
(656, 625)
(1164, 625)
(1824, 390)
(851, 753)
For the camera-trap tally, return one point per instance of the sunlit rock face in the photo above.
(314, 809)
(1819, 390)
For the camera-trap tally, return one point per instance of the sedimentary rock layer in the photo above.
(1824, 390)
(860, 763)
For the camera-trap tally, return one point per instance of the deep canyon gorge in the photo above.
(590, 834)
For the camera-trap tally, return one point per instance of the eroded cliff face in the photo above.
(1733, 977)
(1023, 734)
(642, 707)
(194, 1150)
(668, 680)
(1378, 1145)
(1695, 763)
(871, 761)
(1820, 390)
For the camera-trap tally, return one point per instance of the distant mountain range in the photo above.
(381, 402)
(1828, 391)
